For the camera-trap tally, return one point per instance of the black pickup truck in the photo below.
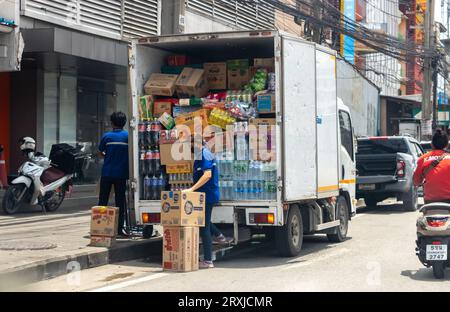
(385, 167)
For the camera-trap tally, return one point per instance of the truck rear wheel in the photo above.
(289, 238)
(371, 202)
(342, 216)
(410, 199)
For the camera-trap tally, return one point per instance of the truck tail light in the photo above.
(400, 168)
(262, 218)
(151, 218)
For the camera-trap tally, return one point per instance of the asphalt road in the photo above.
(377, 256)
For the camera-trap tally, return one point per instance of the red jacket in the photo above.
(437, 182)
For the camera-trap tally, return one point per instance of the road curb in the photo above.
(57, 266)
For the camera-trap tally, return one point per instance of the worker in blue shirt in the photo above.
(114, 148)
(206, 180)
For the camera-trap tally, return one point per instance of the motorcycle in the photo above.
(433, 237)
(38, 183)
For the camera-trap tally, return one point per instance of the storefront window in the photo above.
(76, 111)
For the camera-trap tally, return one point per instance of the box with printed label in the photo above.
(104, 221)
(238, 73)
(192, 82)
(216, 75)
(162, 106)
(268, 63)
(174, 153)
(179, 167)
(161, 84)
(102, 241)
(182, 209)
(181, 110)
(266, 103)
(180, 249)
(198, 119)
(262, 139)
(238, 78)
(167, 121)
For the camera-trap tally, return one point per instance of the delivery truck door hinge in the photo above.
(132, 61)
(280, 184)
(133, 185)
(133, 123)
(279, 120)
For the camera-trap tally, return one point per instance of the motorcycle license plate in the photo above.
(367, 187)
(436, 252)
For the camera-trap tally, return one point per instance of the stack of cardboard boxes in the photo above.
(104, 224)
(181, 216)
(237, 93)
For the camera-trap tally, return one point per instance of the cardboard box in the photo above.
(172, 154)
(161, 84)
(102, 241)
(180, 167)
(216, 75)
(162, 106)
(192, 82)
(180, 249)
(268, 63)
(181, 110)
(238, 64)
(262, 121)
(182, 209)
(238, 78)
(262, 142)
(189, 120)
(104, 221)
(266, 103)
(167, 121)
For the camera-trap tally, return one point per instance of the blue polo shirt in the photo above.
(115, 146)
(211, 188)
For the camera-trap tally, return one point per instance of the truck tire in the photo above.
(371, 202)
(289, 238)
(410, 200)
(342, 215)
(147, 231)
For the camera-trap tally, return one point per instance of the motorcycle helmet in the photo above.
(27, 144)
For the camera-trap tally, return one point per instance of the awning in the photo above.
(58, 40)
(412, 98)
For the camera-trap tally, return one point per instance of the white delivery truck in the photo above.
(315, 147)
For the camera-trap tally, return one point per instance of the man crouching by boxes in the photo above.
(206, 180)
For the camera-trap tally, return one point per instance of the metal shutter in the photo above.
(244, 16)
(141, 18)
(105, 15)
(111, 18)
(59, 10)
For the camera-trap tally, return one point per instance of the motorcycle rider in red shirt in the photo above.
(433, 170)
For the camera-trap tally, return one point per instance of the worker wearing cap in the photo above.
(206, 180)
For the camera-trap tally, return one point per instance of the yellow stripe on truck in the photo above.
(328, 188)
(351, 181)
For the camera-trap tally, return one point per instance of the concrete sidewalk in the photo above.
(35, 246)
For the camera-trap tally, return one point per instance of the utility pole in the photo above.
(429, 43)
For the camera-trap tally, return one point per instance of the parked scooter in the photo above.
(38, 183)
(433, 237)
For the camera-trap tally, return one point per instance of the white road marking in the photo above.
(129, 283)
(311, 261)
(83, 197)
(359, 215)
